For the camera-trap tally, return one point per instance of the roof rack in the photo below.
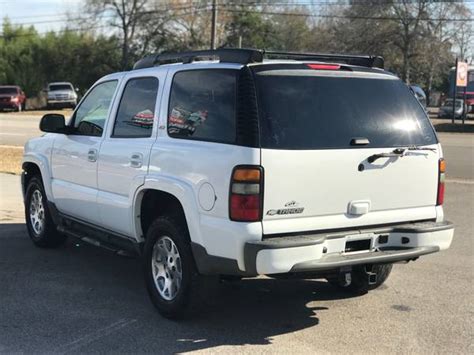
(247, 56)
(360, 60)
(229, 55)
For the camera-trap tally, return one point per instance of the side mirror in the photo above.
(53, 123)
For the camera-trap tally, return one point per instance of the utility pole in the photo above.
(214, 20)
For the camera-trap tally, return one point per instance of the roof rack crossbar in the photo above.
(361, 60)
(246, 56)
(229, 55)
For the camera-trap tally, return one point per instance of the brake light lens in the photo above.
(246, 188)
(324, 66)
(441, 178)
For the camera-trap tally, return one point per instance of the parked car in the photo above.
(12, 97)
(322, 168)
(446, 110)
(419, 94)
(61, 95)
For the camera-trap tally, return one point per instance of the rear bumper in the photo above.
(325, 252)
(61, 102)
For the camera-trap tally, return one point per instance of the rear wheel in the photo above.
(171, 277)
(359, 280)
(39, 223)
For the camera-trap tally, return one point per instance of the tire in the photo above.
(40, 225)
(359, 282)
(168, 259)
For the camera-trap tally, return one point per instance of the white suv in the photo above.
(318, 166)
(61, 95)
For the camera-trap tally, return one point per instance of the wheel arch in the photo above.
(35, 164)
(165, 196)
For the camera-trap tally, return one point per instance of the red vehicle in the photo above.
(12, 97)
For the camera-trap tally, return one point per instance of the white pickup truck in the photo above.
(223, 163)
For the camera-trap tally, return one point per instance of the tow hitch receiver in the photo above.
(346, 275)
(371, 277)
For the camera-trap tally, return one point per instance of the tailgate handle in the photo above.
(358, 208)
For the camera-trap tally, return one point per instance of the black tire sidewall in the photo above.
(33, 185)
(171, 228)
(49, 236)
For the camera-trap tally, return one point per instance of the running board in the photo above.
(101, 239)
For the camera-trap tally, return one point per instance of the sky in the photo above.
(37, 11)
(28, 11)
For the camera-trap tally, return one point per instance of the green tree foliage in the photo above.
(32, 60)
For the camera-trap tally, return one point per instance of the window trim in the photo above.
(234, 142)
(120, 102)
(73, 117)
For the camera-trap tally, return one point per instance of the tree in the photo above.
(127, 15)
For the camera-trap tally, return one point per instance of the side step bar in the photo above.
(99, 238)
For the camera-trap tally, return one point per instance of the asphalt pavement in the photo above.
(80, 298)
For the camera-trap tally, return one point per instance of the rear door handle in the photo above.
(92, 155)
(136, 161)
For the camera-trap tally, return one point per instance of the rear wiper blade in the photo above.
(395, 153)
(399, 152)
(415, 147)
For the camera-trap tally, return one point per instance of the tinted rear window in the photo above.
(8, 91)
(300, 109)
(60, 87)
(202, 105)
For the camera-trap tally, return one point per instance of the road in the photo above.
(79, 298)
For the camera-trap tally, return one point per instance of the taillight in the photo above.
(324, 66)
(441, 177)
(246, 191)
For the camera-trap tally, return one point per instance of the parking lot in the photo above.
(79, 298)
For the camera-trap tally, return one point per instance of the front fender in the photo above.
(180, 189)
(42, 161)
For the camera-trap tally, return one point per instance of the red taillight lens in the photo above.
(245, 203)
(324, 66)
(245, 207)
(441, 177)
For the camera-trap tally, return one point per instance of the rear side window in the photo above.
(300, 109)
(136, 111)
(202, 105)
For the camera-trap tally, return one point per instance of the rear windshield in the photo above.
(303, 109)
(60, 87)
(449, 103)
(8, 91)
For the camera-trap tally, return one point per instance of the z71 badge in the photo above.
(294, 209)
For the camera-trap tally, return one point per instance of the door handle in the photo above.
(92, 155)
(136, 161)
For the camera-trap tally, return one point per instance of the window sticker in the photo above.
(185, 122)
(143, 119)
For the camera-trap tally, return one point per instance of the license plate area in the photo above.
(358, 245)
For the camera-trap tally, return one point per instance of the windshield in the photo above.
(449, 103)
(303, 109)
(58, 87)
(8, 91)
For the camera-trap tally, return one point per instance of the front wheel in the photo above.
(171, 277)
(359, 280)
(39, 223)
